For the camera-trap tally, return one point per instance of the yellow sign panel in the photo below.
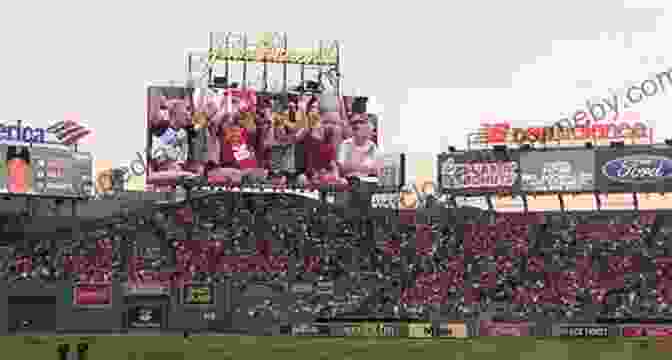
(423, 330)
(199, 295)
(266, 51)
(136, 183)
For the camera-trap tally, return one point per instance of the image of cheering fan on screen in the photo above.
(170, 146)
(235, 127)
(320, 144)
(357, 156)
(178, 147)
(286, 131)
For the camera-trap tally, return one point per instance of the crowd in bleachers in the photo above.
(452, 263)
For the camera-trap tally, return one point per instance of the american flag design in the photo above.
(69, 132)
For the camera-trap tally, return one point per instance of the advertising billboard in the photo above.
(479, 172)
(198, 295)
(92, 295)
(635, 169)
(270, 47)
(145, 317)
(557, 170)
(45, 171)
(503, 134)
(65, 132)
(264, 139)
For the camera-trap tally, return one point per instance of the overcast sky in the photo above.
(436, 69)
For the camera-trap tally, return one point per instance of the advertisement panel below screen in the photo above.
(265, 139)
(560, 170)
(45, 171)
(636, 169)
(478, 171)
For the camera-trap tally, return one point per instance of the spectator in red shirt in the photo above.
(321, 143)
(234, 126)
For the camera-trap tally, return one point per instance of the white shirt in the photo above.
(175, 150)
(350, 153)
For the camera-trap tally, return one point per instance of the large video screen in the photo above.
(562, 170)
(45, 171)
(234, 136)
(635, 169)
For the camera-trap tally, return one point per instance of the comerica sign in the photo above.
(22, 133)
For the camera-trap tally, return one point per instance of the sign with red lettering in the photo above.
(504, 134)
(464, 172)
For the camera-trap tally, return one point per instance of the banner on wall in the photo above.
(558, 170)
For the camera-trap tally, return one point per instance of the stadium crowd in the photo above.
(328, 261)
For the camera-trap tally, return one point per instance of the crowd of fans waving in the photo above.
(456, 263)
(239, 135)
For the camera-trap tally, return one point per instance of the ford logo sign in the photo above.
(638, 169)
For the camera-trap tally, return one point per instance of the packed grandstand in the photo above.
(447, 263)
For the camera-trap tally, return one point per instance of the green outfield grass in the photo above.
(300, 348)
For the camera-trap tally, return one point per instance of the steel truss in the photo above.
(201, 64)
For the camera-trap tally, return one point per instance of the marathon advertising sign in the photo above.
(478, 172)
(634, 170)
(558, 171)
